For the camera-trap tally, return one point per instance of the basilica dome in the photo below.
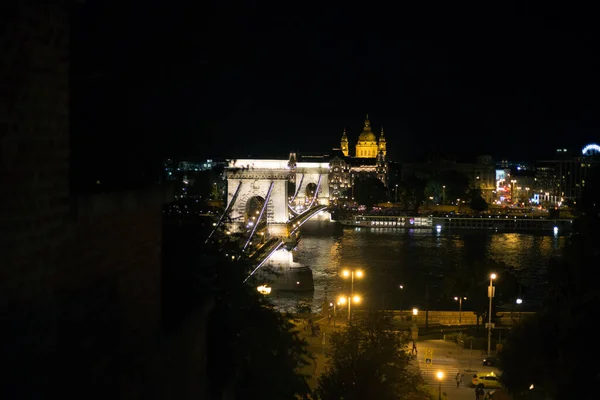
(367, 134)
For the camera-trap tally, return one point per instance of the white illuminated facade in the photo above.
(257, 181)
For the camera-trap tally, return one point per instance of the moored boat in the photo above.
(387, 221)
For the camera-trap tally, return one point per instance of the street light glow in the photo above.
(440, 375)
(455, 298)
(356, 299)
(346, 273)
(493, 276)
(264, 289)
(359, 273)
(341, 300)
(415, 311)
(401, 286)
(519, 301)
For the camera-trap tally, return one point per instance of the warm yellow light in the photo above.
(440, 375)
(264, 289)
(356, 299)
(493, 276)
(346, 273)
(415, 311)
(455, 298)
(341, 300)
(359, 273)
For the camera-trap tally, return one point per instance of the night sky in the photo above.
(233, 79)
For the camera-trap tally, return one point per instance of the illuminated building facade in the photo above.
(564, 177)
(369, 160)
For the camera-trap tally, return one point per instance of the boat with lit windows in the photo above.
(387, 221)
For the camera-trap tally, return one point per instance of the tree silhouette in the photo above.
(412, 191)
(476, 200)
(254, 351)
(370, 361)
(545, 350)
(369, 191)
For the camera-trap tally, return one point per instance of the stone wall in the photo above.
(454, 317)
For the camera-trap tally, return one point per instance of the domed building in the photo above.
(367, 146)
(369, 159)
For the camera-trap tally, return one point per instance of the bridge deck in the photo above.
(295, 223)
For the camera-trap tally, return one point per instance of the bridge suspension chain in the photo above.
(262, 211)
(316, 191)
(298, 188)
(276, 247)
(226, 212)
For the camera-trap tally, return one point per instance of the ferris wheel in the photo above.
(591, 150)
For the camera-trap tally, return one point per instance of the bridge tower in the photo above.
(313, 180)
(261, 180)
(257, 191)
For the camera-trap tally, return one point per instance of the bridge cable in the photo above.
(226, 212)
(292, 210)
(279, 244)
(316, 191)
(306, 215)
(262, 211)
(298, 188)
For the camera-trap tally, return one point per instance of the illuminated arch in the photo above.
(590, 149)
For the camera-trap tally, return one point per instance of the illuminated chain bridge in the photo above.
(267, 203)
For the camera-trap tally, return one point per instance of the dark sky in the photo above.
(235, 79)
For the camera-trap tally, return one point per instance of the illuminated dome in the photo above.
(367, 134)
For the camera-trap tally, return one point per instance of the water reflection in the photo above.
(412, 257)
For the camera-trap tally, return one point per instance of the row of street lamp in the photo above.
(356, 299)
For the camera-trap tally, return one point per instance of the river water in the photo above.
(415, 259)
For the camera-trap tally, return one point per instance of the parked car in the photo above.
(489, 361)
(488, 381)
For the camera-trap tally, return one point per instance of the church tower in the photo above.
(344, 143)
(382, 146)
(367, 142)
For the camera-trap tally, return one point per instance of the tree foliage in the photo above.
(411, 191)
(368, 361)
(369, 191)
(549, 351)
(254, 351)
(476, 200)
(456, 185)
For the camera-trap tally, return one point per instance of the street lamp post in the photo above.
(334, 308)
(460, 300)
(443, 194)
(351, 273)
(396, 202)
(343, 299)
(401, 289)
(491, 295)
(519, 302)
(440, 377)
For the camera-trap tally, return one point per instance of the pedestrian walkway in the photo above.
(448, 366)
(447, 358)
